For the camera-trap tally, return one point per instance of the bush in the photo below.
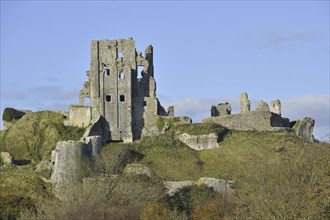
(155, 211)
(8, 114)
(188, 198)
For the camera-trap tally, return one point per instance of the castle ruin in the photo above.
(121, 88)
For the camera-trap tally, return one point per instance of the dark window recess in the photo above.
(144, 103)
(121, 75)
(106, 72)
(108, 98)
(122, 98)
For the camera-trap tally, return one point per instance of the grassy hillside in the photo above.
(35, 135)
(278, 175)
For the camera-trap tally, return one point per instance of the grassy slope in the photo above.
(35, 135)
(249, 157)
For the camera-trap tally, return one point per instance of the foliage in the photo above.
(219, 207)
(20, 189)
(8, 114)
(155, 211)
(278, 175)
(188, 198)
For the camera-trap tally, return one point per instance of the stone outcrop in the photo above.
(174, 186)
(244, 103)
(275, 106)
(6, 159)
(218, 185)
(221, 109)
(304, 128)
(138, 169)
(262, 106)
(200, 142)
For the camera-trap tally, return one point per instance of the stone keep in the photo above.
(121, 88)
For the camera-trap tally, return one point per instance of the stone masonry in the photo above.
(244, 103)
(121, 88)
(261, 119)
(275, 106)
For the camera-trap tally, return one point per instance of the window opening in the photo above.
(144, 103)
(120, 54)
(121, 75)
(140, 72)
(108, 98)
(87, 101)
(106, 72)
(122, 98)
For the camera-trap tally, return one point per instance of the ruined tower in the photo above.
(121, 89)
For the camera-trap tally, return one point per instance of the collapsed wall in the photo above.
(261, 119)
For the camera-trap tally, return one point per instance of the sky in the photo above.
(205, 52)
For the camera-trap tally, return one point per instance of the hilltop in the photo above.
(277, 174)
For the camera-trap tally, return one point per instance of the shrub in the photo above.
(155, 211)
(8, 114)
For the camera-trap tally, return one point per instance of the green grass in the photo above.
(278, 167)
(20, 189)
(35, 135)
(199, 129)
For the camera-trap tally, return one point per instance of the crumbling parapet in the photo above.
(244, 103)
(221, 109)
(275, 106)
(262, 106)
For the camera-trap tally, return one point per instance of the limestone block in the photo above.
(138, 169)
(262, 106)
(304, 128)
(275, 106)
(200, 142)
(244, 103)
(174, 186)
(218, 185)
(6, 158)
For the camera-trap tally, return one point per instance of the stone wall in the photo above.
(121, 88)
(79, 116)
(252, 120)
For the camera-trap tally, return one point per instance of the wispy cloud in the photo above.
(273, 38)
(53, 93)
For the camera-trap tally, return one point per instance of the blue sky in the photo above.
(205, 52)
